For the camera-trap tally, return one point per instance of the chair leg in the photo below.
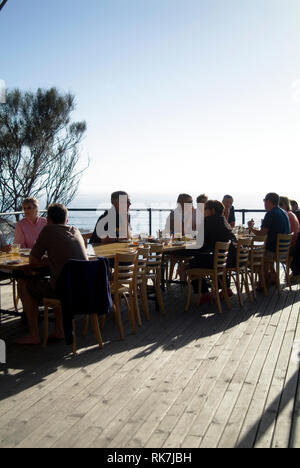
(278, 277)
(117, 315)
(74, 346)
(136, 307)
(263, 280)
(46, 326)
(253, 283)
(215, 286)
(159, 296)
(130, 307)
(15, 295)
(238, 288)
(144, 299)
(188, 299)
(245, 278)
(85, 326)
(288, 278)
(95, 324)
(199, 291)
(225, 291)
(171, 271)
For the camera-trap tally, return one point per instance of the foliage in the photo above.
(39, 148)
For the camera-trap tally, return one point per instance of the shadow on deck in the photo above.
(196, 379)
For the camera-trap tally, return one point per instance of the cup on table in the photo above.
(15, 250)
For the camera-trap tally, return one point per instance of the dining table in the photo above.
(110, 250)
(10, 265)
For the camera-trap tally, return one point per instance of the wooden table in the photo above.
(110, 250)
(22, 265)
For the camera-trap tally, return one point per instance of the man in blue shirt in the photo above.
(276, 221)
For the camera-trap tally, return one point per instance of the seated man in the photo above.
(216, 229)
(229, 210)
(114, 224)
(276, 221)
(61, 243)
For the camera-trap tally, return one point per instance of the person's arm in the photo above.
(19, 235)
(38, 262)
(263, 231)
(37, 256)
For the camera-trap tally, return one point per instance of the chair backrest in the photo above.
(155, 256)
(283, 247)
(125, 268)
(258, 248)
(243, 252)
(220, 256)
(85, 282)
(143, 254)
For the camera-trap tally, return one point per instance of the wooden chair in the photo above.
(124, 284)
(143, 254)
(82, 288)
(282, 257)
(153, 274)
(55, 303)
(239, 273)
(213, 275)
(256, 264)
(170, 262)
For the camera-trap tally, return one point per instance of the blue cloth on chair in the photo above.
(83, 289)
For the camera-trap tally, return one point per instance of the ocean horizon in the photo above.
(86, 220)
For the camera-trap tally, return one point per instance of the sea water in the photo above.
(86, 220)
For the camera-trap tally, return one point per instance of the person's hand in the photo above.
(251, 223)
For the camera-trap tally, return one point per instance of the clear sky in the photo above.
(179, 95)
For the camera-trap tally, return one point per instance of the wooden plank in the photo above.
(185, 380)
(261, 382)
(248, 375)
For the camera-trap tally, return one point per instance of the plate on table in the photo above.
(178, 243)
(25, 252)
(13, 262)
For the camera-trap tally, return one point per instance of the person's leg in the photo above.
(204, 260)
(30, 308)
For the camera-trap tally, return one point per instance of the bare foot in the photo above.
(28, 340)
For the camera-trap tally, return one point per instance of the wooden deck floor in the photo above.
(195, 379)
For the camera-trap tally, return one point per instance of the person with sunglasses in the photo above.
(28, 229)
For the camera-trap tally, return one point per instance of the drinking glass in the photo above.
(15, 250)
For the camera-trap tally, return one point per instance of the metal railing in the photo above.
(148, 223)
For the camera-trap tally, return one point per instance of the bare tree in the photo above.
(39, 148)
(2, 3)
